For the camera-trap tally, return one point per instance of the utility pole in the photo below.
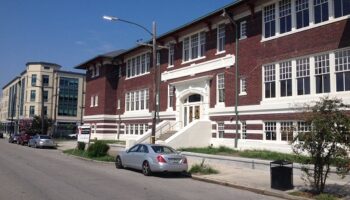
(156, 86)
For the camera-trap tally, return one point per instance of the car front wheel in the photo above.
(118, 163)
(146, 170)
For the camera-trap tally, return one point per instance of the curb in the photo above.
(87, 159)
(251, 189)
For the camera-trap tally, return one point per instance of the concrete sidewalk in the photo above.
(245, 173)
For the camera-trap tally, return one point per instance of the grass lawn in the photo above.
(202, 169)
(259, 154)
(84, 154)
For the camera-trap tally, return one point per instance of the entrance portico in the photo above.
(192, 100)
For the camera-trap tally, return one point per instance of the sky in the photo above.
(69, 32)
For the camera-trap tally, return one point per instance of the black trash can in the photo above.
(281, 175)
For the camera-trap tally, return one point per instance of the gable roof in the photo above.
(109, 55)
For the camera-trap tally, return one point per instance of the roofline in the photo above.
(81, 65)
(43, 63)
(9, 83)
(70, 72)
(236, 2)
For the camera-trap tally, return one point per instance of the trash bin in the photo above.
(281, 175)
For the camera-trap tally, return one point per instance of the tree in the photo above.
(327, 143)
(35, 127)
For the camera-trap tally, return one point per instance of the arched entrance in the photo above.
(192, 108)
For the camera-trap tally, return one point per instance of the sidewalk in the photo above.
(245, 173)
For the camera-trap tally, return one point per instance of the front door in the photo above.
(192, 108)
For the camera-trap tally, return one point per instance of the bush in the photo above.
(81, 146)
(98, 149)
(202, 169)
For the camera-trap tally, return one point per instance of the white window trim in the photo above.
(189, 36)
(96, 101)
(217, 39)
(241, 86)
(135, 56)
(312, 25)
(240, 30)
(170, 107)
(219, 104)
(171, 44)
(118, 104)
(145, 106)
(97, 71)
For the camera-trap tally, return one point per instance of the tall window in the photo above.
(244, 130)
(287, 131)
(302, 13)
(221, 88)
(221, 37)
(303, 76)
(137, 100)
(68, 97)
(342, 69)
(33, 79)
(285, 14)
(302, 128)
(320, 11)
(322, 73)
(286, 78)
(138, 65)
(243, 30)
(270, 131)
(31, 111)
(269, 21)
(243, 86)
(118, 104)
(46, 80)
(46, 96)
(171, 96)
(270, 81)
(32, 95)
(194, 46)
(221, 130)
(341, 8)
(171, 55)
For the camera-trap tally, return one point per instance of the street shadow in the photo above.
(341, 190)
(166, 175)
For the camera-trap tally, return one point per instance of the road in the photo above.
(27, 173)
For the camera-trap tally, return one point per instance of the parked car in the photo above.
(23, 139)
(1, 135)
(152, 158)
(41, 141)
(13, 138)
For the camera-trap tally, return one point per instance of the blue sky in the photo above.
(68, 32)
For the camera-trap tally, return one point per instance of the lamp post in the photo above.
(156, 76)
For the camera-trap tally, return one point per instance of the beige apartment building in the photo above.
(44, 89)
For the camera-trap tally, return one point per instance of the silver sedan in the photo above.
(41, 141)
(152, 158)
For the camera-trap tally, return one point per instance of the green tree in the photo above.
(36, 128)
(327, 143)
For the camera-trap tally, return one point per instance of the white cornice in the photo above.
(194, 69)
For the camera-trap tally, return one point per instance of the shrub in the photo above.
(203, 169)
(81, 146)
(97, 149)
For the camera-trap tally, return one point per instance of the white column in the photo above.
(278, 84)
(294, 78)
(332, 72)
(294, 18)
(311, 10)
(312, 76)
(277, 16)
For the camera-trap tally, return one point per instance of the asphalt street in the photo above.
(27, 173)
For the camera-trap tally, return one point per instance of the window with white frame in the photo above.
(322, 74)
(131, 129)
(171, 54)
(138, 65)
(92, 101)
(194, 46)
(302, 128)
(302, 13)
(285, 15)
(171, 90)
(341, 8)
(221, 87)
(136, 129)
(221, 130)
(269, 21)
(126, 126)
(286, 78)
(97, 71)
(96, 101)
(137, 100)
(270, 131)
(118, 104)
(286, 131)
(342, 70)
(321, 13)
(92, 72)
(243, 86)
(221, 37)
(244, 130)
(243, 30)
(270, 81)
(303, 76)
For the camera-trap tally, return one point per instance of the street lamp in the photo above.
(155, 112)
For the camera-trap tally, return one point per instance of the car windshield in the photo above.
(45, 137)
(163, 149)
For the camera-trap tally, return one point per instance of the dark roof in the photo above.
(43, 63)
(110, 55)
(9, 83)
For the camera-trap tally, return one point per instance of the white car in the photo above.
(152, 158)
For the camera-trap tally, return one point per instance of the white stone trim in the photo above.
(194, 68)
